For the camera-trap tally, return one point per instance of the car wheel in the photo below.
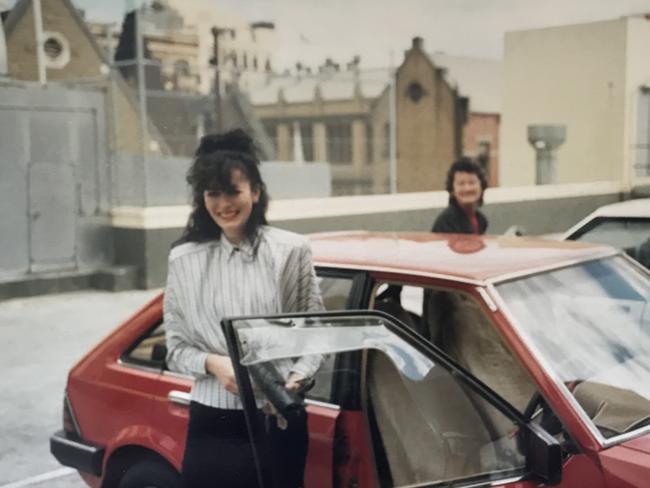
(150, 474)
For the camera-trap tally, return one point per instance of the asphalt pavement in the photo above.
(40, 339)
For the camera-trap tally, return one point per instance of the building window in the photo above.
(415, 91)
(56, 49)
(307, 136)
(483, 156)
(339, 142)
(385, 142)
(271, 129)
(255, 63)
(370, 142)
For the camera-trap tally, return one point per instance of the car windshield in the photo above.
(630, 234)
(590, 323)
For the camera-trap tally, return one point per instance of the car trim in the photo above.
(179, 397)
(124, 362)
(402, 271)
(318, 403)
(485, 295)
(602, 440)
(77, 453)
(73, 416)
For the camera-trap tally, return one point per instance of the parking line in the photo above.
(50, 475)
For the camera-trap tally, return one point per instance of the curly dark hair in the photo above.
(465, 165)
(214, 161)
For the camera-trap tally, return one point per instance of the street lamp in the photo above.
(216, 32)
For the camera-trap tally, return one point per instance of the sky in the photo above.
(380, 30)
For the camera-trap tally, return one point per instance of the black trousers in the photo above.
(218, 452)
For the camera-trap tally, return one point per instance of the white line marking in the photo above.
(50, 475)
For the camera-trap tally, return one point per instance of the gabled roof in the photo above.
(17, 12)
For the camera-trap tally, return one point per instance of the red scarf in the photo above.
(473, 220)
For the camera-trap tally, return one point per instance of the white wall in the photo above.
(637, 74)
(572, 75)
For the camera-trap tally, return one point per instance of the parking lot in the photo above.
(42, 338)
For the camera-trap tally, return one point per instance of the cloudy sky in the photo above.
(311, 30)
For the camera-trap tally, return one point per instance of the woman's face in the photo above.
(231, 210)
(467, 188)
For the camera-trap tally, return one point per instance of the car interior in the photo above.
(462, 432)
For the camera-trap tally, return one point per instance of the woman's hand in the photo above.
(221, 368)
(294, 381)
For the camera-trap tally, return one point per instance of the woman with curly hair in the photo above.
(466, 183)
(229, 262)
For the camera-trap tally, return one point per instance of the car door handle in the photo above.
(179, 397)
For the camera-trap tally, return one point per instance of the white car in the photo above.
(625, 225)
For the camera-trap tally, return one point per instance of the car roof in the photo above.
(460, 257)
(637, 208)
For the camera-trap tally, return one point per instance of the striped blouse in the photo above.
(211, 280)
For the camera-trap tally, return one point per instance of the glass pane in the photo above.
(335, 291)
(633, 236)
(591, 325)
(425, 425)
(151, 348)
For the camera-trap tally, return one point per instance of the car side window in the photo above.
(335, 292)
(150, 349)
(455, 322)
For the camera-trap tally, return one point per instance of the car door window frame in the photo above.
(408, 336)
(343, 392)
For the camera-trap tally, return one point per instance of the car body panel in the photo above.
(118, 404)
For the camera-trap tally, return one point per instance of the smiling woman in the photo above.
(230, 263)
(465, 184)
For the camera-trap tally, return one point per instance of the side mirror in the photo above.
(543, 455)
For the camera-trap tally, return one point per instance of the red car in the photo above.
(461, 361)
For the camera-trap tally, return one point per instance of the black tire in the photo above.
(151, 474)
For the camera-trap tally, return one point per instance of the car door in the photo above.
(425, 420)
(340, 289)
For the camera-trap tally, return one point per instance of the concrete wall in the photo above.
(55, 190)
(637, 74)
(572, 75)
(157, 181)
(143, 236)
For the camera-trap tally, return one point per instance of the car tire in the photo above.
(150, 474)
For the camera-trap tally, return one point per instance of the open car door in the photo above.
(425, 421)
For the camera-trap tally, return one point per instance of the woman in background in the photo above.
(466, 183)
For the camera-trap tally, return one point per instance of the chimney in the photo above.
(418, 43)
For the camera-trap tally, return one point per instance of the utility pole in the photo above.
(40, 54)
(216, 32)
